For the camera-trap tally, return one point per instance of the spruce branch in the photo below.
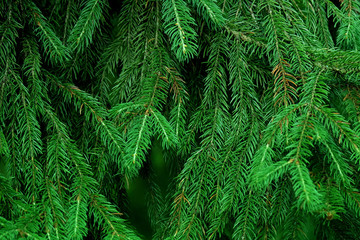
(106, 215)
(57, 53)
(81, 35)
(179, 25)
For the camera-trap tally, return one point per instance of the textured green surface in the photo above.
(179, 119)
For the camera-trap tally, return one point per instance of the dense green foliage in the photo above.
(179, 119)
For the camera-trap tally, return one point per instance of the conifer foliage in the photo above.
(200, 119)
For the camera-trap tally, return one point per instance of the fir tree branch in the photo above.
(89, 20)
(56, 51)
(109, 134)
(106, 215)
(31, 143)
(211, 12)
(178, 25)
